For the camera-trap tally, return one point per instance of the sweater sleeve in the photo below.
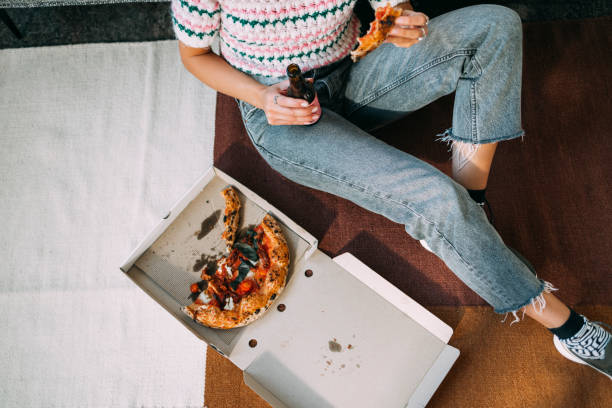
(195, 22)
(381, 3)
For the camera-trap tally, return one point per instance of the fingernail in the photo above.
(304, 104)
(314, 109)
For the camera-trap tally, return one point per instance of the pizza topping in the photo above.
(233, 278)
(230, 304)
(245, 287)
(204, 298)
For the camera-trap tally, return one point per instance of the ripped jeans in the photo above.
(475, 52)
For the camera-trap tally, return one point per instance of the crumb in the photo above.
(334, 347)
(328, 362)
(358, 366)
(342, 366)
(350, 346)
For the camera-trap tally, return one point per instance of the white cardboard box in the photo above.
(398, 352)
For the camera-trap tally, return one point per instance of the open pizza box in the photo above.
(346, 338)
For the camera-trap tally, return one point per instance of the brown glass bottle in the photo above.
(298, 86)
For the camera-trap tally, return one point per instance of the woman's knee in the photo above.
(503, 21)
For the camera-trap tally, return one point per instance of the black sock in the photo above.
(570, 327)
(477, 195)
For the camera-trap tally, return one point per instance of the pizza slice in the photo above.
(246, 281)
(231, 216)
(379, 29)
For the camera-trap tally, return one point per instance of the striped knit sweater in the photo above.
(264, 36)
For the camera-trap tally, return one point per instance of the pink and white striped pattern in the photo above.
(264, 36)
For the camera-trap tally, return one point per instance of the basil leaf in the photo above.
(247, 251)
(202, 285)
(243, 269)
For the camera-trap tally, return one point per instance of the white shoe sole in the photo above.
(568, 354)
(424, 244)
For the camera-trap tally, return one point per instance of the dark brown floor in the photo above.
(551, 196)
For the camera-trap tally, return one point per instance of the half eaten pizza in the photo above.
(247, 280)
(379, 29)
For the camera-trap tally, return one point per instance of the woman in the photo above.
(475, 52)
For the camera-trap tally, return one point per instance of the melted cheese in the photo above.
(229, 305)
(204, 297)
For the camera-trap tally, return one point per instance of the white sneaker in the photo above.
(590, 346)
(424, 243)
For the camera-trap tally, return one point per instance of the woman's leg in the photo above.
(338, 157)
(552, 313)
(471, 169)
(475, 52)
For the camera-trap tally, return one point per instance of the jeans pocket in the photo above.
(246, 109)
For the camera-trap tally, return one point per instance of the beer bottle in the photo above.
(298, 86)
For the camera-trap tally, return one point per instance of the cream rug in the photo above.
(97, 142)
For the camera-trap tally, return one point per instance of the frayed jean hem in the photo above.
(537, 301)
(447, 137)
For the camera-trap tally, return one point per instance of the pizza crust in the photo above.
(231, 216)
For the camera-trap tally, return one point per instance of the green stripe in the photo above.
(348, 22)
(264, 23)
(281, 58)
(199, 10)
(190, 32)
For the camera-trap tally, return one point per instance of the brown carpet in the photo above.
(551, 198)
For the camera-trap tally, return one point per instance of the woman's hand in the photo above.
(408, 29)
(283, 110)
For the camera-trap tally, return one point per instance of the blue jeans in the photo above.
(475, 52)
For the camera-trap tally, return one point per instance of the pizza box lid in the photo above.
(392, 338)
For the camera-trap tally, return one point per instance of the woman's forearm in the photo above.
(215, 72)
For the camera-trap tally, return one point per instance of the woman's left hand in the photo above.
(408, 29)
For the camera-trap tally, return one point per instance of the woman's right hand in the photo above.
(286, 110)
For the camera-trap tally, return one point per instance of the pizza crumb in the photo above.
(342, 366)
(358, 366)
(328, 362)
(334, 346)
(350, 346)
